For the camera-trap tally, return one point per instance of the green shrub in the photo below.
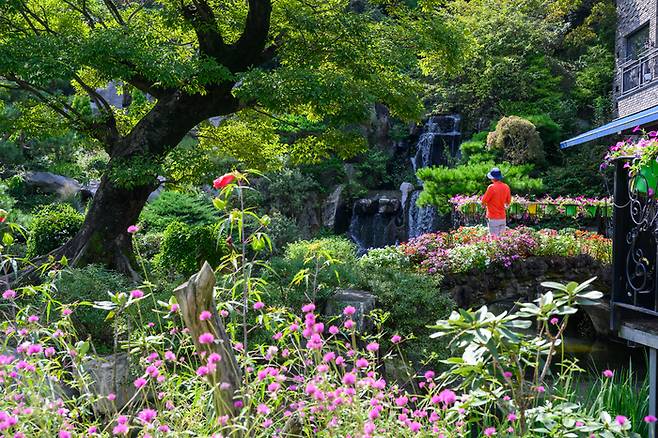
(580, 174)
(329, 263)
(372, 170)
(282, 230)
(91, 283)
(191, 209)
(550, 134)
(441, 183)
(414, 300)
(149, 244)
(184, 248)
(476, 151)
(518, 140)
(288, 191)
(51, 227)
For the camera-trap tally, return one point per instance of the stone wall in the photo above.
(632, 14)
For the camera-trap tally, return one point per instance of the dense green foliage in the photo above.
(170, 206)
(517, 141)
(413, 299)
(185, 247)
(441, 183)
(52, 226)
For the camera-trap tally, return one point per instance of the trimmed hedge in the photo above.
(51, 227)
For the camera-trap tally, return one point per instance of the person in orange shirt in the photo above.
(496, 200)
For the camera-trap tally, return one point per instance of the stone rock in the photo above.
(334, 210)
(363, 301)
(47, 182)
(110, 374)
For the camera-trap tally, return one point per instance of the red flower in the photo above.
(223, 181)
(2, 219)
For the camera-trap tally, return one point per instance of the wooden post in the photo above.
(195, 296)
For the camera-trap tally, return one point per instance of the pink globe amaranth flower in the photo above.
(139, 382)
(349, 379)
(650, 419)
(307, 308)
(120, 429)
(34, 349)
(349, 324)
(133, 229)
(372, 347)
(66, 311)
(369, 428)
(223, 181)
(92, 430)
(214, 358)
(9, 294)
(540, 389)
(334, 330)
(136, 294)
(205, 315)
(429, 375)
(64, 434)
(111, 396)
(349, 310)
(507, 374)
(490, 431)
(174, 308)
(147, 415)
(361, 363)
(238, 346)
(401, 401)
(32, 318)
(511, 416)
(206, 338)
(608, 373)
(202, 371)
(396, 339)
(164, 428)
(447, 397)
(621, 420)
(554, 321)
(262, 409)
(414, 426)
(258, 305)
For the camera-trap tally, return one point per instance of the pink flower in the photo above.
(120, 429)
(174, 308)
(34, 349)
(111, 396)
(650, 419)
(608, 373)
(9, 294)
(205, 315)
(202, 371)
(447, 397)
(133, 229)
(490, 431)
(401, 401)
(64, 434)
(361, 363)
(66, 311)
(511, 416)
(214, 358)
(139, 382)
(349, 311)
(372, 347)
(310, 307)
(333, 330)
(136, 294)
(396, 339)
(349, 379)
(258, 305)
(540, 389)
(262, 409)
(92, 430)
(621, 420)
(206, 338)
(32, 318)
(223, 181)
(414, 426)
(147, 415)
(507, 374)
(554, 321)
(349, 324)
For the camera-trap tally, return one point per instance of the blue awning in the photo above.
(614, 127)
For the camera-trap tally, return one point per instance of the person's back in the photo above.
(496, 200)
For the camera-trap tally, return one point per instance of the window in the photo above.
(637, 42)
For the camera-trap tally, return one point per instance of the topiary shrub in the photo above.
(518, 140)
(52, 226)
(413, 300)
(190, 209)
(91, 283)
(184, 248)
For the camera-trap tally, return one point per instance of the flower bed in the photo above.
(472, 247)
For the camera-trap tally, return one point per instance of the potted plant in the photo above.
(641, 154)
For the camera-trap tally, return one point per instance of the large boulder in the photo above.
(110, 374)
(47, 182)
(335, 212)
(363, 301)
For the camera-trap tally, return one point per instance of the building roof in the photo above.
(615, 127)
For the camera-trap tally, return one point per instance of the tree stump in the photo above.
(195, 296)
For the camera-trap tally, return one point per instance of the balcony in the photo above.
(640, 72)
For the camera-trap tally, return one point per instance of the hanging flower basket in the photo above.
(591, 210)
(646, 180)
(532, 209)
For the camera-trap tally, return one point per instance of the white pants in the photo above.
(497, 226)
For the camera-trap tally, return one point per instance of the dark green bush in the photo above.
(282, 230)
(191, 209)
(580, 174)
(330, 261)
(288, 191)
(550, 134)
(52, 226)
(414, 300)
(91, 283)
(184, 248)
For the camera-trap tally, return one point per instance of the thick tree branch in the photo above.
(112, 133)
(200, 15)
(248, 49)
(114, 11)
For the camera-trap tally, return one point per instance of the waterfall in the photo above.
(421, 220)
(376, 221)
(438, 142)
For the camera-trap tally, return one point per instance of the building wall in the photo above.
(631, 15)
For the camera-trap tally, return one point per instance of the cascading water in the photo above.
(437, 144)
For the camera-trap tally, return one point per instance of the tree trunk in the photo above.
(104, 236)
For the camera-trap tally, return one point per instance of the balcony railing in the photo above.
(640, 72)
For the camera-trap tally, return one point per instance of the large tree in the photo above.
(327, 61)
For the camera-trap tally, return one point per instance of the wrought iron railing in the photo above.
(634, 248)
(640, 72)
